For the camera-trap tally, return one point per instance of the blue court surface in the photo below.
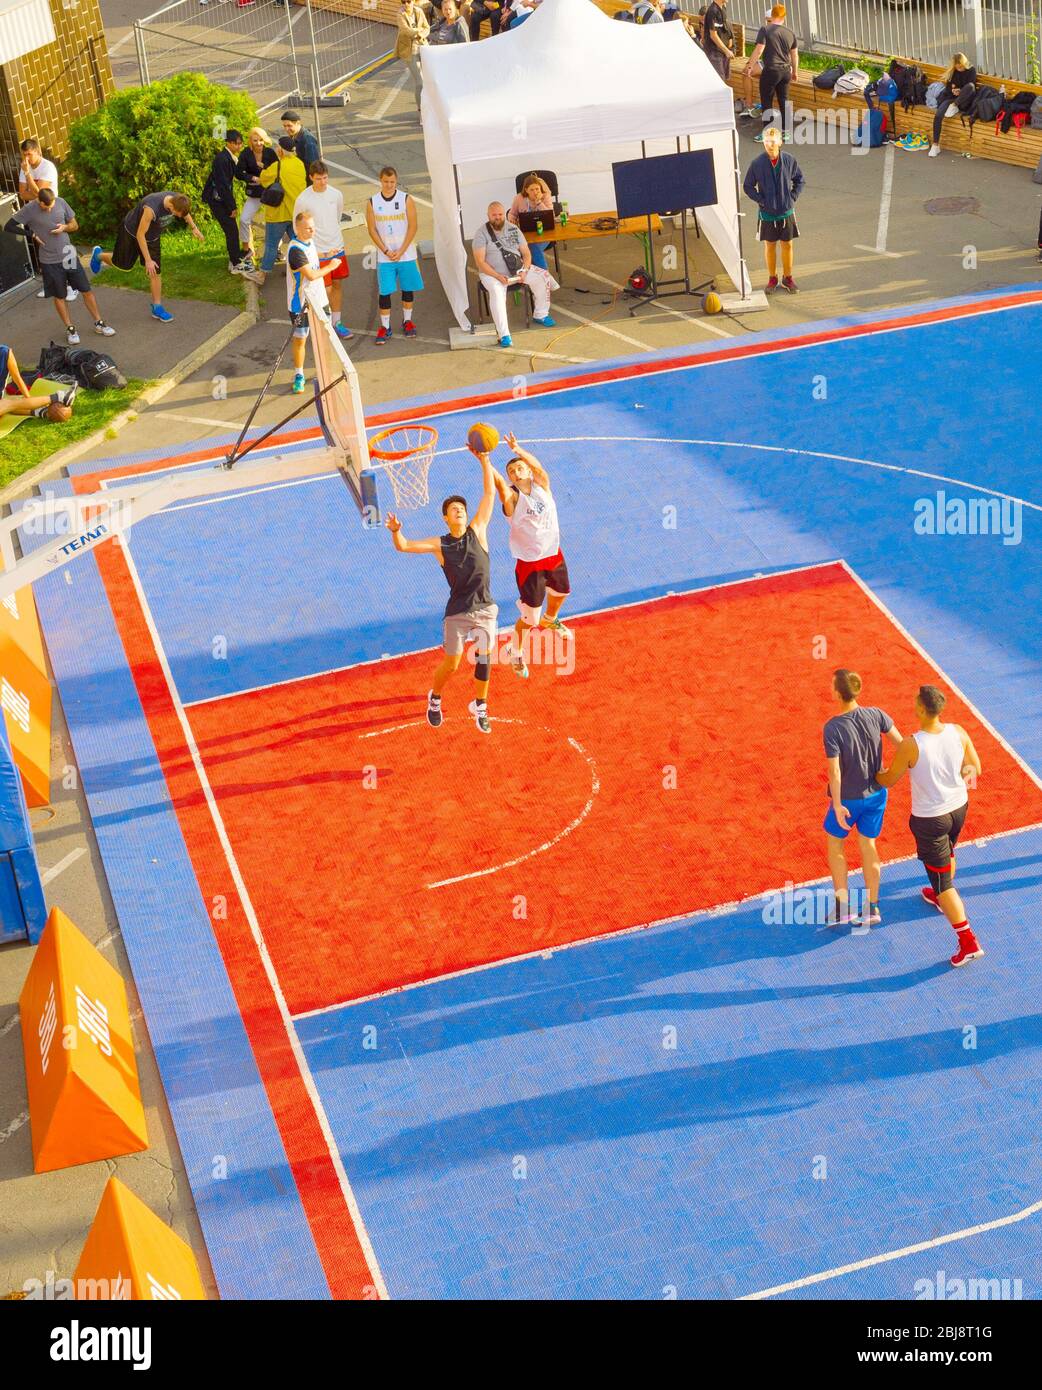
(715, 1106)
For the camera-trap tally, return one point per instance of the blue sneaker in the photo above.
(95, 260)
(548, 322)
(298, 383)
(342, 331)
(506, 341)
(163, 315)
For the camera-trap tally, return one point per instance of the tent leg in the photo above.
(746, 285)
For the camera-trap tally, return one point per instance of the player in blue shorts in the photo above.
(854, 754)
(390, 216)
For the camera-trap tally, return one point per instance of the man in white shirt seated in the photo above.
(326, 206)
(503, 259)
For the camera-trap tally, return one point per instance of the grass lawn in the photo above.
(191, 269)
(34, 440)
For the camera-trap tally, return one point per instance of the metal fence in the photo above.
(271, 48)
(1001, 37)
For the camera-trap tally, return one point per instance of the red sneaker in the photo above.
(771, 285)
(969, 948)
(929, 896)
(790, 284)
(409, 329)
(382, 335)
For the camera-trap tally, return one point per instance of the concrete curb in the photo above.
(50, 467)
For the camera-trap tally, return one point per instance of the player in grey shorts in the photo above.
(470, 614)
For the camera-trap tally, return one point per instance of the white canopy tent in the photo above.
(573, 91)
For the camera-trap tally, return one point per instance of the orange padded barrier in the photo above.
(84, 1096)
(130, 1253)
(25, 694)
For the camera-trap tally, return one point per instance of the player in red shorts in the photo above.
(535, 543)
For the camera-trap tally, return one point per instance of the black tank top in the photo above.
(466, 569)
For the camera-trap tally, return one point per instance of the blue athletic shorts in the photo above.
(400, 275)
(866, 815)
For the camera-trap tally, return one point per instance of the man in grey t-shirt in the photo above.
(498, 271)
(47, 222)
(853, 755)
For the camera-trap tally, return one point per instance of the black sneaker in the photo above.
(480, 713)
(433, 709)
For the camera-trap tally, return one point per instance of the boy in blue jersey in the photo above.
(854, 755)
(302, 265)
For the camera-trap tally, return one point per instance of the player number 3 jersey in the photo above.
(392, 223)
(534, 530)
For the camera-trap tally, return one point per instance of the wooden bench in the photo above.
(957, 135)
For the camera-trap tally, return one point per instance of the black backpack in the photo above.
(94, 370)
(80, 365)
(828, 79)
(987, 103)
(1019, 105)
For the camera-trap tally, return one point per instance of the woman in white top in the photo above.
(939, 760)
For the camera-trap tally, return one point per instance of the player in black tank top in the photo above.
(470, 614)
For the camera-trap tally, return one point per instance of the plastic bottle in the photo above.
(539, 226)
(564, 214)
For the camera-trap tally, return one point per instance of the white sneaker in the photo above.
(71, 294)
(934, 151)
(102, 328)
(71, 336)
(41, 294)
(480, 713)
(950, 112)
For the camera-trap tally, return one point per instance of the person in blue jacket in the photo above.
(774, 181)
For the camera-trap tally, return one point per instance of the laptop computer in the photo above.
(527, 220)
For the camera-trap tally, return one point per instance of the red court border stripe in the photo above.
(733, 352)
(336, 1241)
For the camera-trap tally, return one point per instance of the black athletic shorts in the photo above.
(937, 836)
(533, 584)
(126, 253)
(57, 281)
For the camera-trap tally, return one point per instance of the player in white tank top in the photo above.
(535, 543)
(390, 217)
(938, 760)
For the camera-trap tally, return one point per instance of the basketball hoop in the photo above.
(405, 453)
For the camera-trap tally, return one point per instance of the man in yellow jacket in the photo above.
(289, 173)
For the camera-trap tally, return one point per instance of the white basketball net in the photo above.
(405, 453)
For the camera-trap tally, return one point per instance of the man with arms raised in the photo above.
(470, 614)
(535, 543)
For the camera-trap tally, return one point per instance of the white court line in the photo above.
(995, 1225)
(385, 104)
(601, 328)
(368, 178)
(884, 208)
(626, 439)
(573, 618)
(595, 787)
(52, 873)
(229, 425)
(667, 308)
(434, 410)
(255, 930)
(1029, 772)
(716, 910)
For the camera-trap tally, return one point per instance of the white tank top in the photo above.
(534, 531)
(937, 784)
(299, 289)
(392, 223)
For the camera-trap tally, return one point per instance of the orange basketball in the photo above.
(484, 438)
(57, 411)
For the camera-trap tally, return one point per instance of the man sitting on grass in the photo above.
(138, 240)
(24, 403)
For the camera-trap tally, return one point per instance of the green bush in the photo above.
(146, 139)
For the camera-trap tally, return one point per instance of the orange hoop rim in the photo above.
(396, 455)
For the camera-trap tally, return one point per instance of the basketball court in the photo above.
(542, 1014)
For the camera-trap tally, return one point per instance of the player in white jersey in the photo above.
(303, 268)
(390, 216)
(938, 760)
(535, 543)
